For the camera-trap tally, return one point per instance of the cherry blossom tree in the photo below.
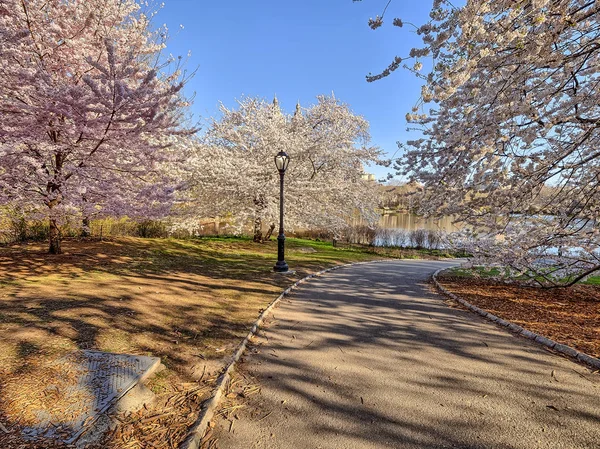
(89, 108)
(510, 121)
(234, 171)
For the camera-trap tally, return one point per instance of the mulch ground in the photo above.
(162, 424)
(570, 316)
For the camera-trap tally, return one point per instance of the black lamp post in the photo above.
(281, 161)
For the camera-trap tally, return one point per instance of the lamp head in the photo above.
(282, 161)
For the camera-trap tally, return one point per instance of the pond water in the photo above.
(411, 222)
(404, 229)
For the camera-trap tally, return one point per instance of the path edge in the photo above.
(198, 430)
(540, 339)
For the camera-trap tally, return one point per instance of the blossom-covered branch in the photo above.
(511, 135)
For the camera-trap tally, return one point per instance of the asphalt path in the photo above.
(370, 356)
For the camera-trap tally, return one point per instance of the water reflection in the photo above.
(404, 230)
(411, 222)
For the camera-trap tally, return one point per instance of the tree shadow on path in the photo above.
(371, 357)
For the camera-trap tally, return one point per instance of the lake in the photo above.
(403, 229)
(411, 222)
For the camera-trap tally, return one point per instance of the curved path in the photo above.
(370, 356)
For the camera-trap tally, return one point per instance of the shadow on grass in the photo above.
(227, 257)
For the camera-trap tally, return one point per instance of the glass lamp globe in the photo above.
(282, 161)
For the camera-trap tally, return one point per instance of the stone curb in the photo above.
(563, 349)
(198, 430)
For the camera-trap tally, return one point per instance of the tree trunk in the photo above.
(53, 199)
(259, 207)
(258, 230)
(85, 227)
(217, 225)
(85, 223)
(270, 232)
(55, 237)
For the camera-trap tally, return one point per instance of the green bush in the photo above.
(151, 229)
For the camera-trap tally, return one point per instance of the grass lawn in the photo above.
(569, 316)
(488, 273)
(189, 302)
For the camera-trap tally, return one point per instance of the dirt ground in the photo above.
(570, 316)
(188, 302)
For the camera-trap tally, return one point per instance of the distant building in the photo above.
(368, 177)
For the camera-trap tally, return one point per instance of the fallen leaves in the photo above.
(163, 425)
(569, 316)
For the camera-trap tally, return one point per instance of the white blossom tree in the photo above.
(510, 122)
(88, 108)
(234, 170)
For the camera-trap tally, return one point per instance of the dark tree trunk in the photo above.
(54, 198)
(85, 227)
(270, 232)
(258, 230)
(259, 206)
(55, 238)
(85, 223)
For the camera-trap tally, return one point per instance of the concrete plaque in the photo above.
(102, 379)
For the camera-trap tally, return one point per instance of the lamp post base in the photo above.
(281, 266)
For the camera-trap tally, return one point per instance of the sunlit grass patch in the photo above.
(479, 272)
(592, 280)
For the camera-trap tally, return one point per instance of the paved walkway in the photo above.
(371, 357)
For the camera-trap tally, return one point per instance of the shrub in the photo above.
(151, 229)
(434, 239)
(418, 238)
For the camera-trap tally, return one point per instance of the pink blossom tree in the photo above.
(510, 121)
(89, 109)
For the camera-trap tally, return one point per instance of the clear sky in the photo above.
(297, 49)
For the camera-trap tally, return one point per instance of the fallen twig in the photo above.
(265, 416)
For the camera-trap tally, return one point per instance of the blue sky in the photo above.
(297, 49)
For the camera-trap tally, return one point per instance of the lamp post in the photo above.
(281, 161)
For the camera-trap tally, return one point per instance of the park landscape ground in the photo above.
(189, 302)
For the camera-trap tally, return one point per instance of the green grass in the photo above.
(485, 273)
(237, 257)
(480, 272)
(104, 294)
(592, 280)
